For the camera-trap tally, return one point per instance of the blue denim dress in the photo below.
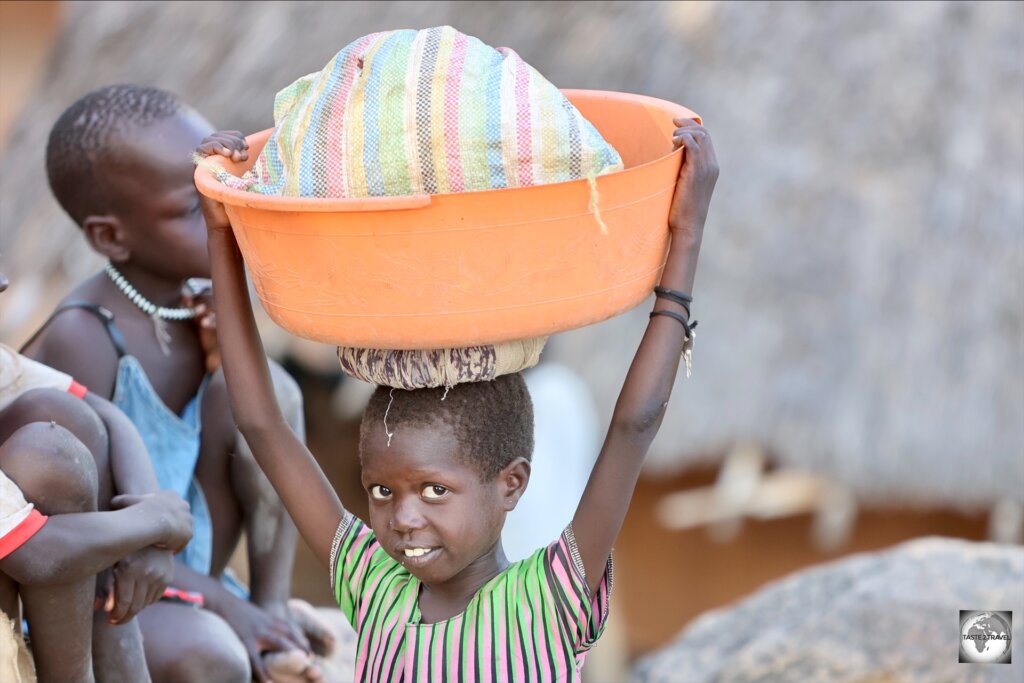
(173, 445)
(172, 440)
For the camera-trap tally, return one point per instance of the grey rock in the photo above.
(889, 616)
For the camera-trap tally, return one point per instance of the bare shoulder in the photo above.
(77, 342)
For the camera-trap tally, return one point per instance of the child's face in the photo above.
(157, 202)
(424, 497)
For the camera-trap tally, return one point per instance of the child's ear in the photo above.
(512, 482)
(105, 234)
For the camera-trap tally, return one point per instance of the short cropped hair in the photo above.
(492, 420)
(80, 142)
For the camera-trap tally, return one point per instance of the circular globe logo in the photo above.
(985, 637)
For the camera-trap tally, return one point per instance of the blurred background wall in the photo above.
(859, 368)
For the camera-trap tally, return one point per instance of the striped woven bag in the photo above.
(425, 112)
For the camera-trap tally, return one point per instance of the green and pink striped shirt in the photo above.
(533, 622)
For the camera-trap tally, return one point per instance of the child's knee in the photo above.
(52, 467)
(46, 405)
(209, 653)
(208, 663)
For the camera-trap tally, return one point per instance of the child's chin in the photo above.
(431, 572)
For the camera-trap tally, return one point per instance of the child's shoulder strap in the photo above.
(104, 314)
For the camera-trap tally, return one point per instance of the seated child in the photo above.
(119, 163)
(426, 585)
(68, 456)
(51, 562)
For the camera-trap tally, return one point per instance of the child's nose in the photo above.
(407, 517)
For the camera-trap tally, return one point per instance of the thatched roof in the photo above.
(860, 286)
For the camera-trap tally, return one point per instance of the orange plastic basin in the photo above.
(462, 269)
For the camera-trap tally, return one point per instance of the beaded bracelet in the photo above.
(688, 327)
(683, 300)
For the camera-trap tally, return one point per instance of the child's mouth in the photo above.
(417, 557)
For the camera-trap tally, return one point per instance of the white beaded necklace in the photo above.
(157, 313)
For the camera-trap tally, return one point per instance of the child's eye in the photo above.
(434, 491)
(190, 211)
(380, 492)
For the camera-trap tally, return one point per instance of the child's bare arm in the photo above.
(139, 578)
(74, 546)
(288, 464)
(648, 384)
(130, 466)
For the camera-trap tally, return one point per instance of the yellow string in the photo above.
(595, 198)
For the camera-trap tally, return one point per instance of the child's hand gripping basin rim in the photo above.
(453, 270)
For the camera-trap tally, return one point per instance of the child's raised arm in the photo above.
(288, 464)
(648, 384)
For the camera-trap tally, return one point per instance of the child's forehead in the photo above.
(419, 449)
(161, 150)
(174, 137)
